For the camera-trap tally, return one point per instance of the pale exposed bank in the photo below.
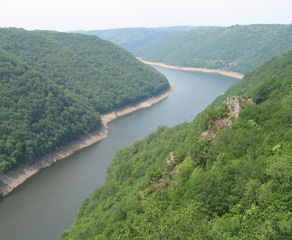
(205, 70)
(12, 179)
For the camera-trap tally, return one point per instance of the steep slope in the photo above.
(36, 114)
(218, 177)
(55, 85)
(236, 48)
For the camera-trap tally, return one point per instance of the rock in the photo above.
(249, 101)
(171, 159)
(235, 106)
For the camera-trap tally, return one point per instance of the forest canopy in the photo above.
(238, 48)
(206, 179)
(54, 86)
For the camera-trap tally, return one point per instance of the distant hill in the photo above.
(54, 86)
(226, 175)
(237, 48)
(135, 38)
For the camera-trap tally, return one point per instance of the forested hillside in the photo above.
(135, 38)
(54, 86)
(237, 48)
(226, 175)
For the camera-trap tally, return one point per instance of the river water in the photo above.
(46, 204)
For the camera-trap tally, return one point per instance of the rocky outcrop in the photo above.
(234, 106)
(171, 158)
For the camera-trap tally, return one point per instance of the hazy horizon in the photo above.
(65, 15)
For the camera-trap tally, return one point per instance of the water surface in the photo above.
(46, 204)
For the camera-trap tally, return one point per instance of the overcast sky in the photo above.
(67, 15)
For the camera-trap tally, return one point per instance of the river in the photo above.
(46, 204)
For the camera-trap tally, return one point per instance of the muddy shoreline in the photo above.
(12, 179)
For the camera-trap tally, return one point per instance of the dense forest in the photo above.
(236, 48)
(135, 38)
(54, 86)
(226, 175)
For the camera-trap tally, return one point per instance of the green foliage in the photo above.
(240, 189)
(53, 87)
(184, 171)
(211, 114)
(263, 91)
(135, 38)
(236, 48)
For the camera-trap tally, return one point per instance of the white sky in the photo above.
(67, 15)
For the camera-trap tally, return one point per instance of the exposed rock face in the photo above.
(171, 159)
(235, 106)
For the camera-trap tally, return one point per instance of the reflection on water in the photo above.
(46, 204)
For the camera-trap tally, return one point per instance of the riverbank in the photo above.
(11, 180)
(205, 70)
